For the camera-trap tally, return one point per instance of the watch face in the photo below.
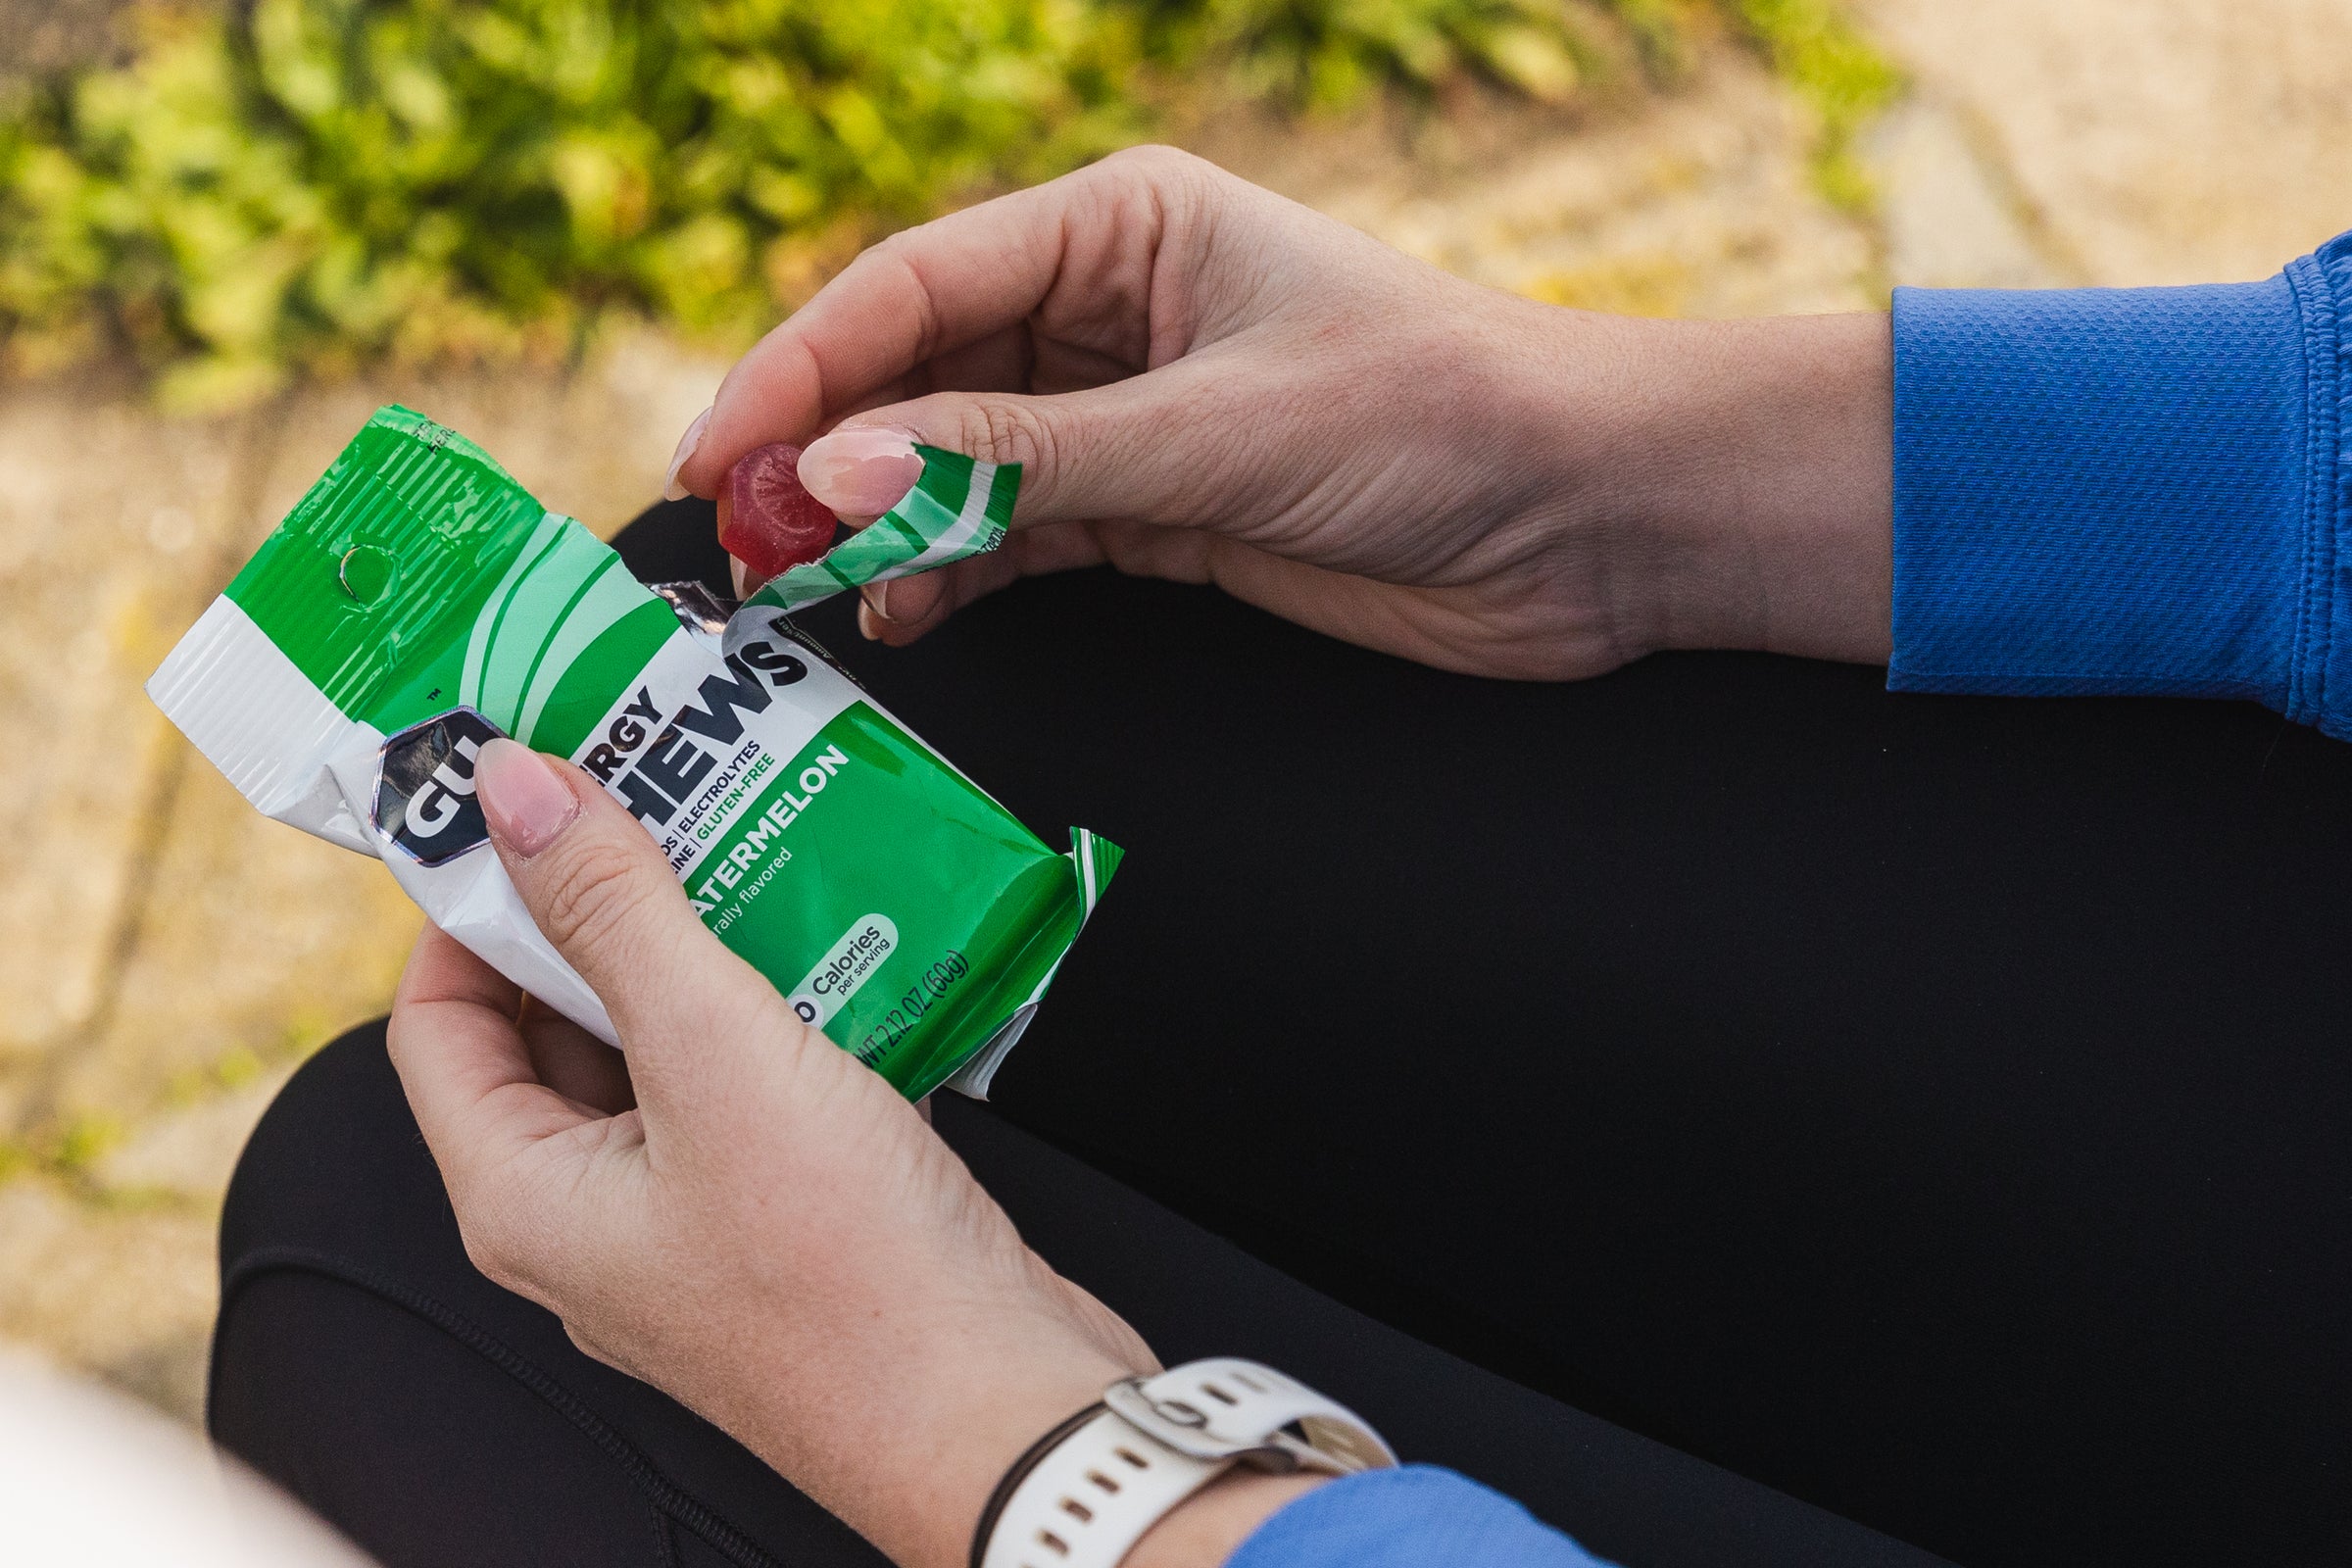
(424, 800)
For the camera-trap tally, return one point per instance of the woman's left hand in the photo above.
(744, 1216)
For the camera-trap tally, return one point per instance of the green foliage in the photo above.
(318, 180)
(1837, 72)
(262, 189)
(1326, 54)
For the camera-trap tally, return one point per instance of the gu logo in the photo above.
(424, 786)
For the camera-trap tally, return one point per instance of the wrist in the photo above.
(971, 1438)
(1740, 476)
(1210, 1525)
(908, 1458)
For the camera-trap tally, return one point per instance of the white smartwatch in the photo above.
(1087, 1491)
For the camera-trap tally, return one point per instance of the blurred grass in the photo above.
(1840, 76)
(1650, 284)
(246, 195)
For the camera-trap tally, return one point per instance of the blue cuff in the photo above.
(1416, 1517)
(2127, 491)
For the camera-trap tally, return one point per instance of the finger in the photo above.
(908, 600)
(1002, 362)
(1136, 449)
(468, 1073)
(929, 290)
(442, 969)
(954, 588)
(573, 1062)
(1336, 603)
(936, 289)
(900, 611)
(610, 904)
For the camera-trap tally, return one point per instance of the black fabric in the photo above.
(1932, 1108)
(437, 1419)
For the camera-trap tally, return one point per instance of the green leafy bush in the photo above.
(288, 186)
(323, 179)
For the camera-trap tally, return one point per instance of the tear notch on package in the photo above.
(419, 601)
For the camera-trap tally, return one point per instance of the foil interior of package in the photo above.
(419, 601)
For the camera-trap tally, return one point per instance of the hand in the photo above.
(745, 1215)
(1207, 382)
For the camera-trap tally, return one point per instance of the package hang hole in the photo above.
(366, 573)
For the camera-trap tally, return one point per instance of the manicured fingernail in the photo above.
(526, 801)
(861, 471)
(877, 598)
(671, 490)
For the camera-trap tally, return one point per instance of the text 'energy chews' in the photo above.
(418, 602)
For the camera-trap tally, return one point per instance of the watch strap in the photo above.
(1225, 1407)
(1087, 1491)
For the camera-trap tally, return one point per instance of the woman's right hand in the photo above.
(1207, 382)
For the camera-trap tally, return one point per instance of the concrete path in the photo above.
(166, 956)
(2114, 142)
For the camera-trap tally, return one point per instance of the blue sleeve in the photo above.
(1415, 1517)
(2127, 491)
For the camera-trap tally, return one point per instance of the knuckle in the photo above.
(894, 246)
(598, 1348)
(595, 891)
(904, 252)
(506, 1241)
(488, 1246)
(1170, 181)
(1154, 161)
(1009, 432)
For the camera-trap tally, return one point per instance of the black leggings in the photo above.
(1933, 1108)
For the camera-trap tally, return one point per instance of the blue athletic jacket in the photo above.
(2095, 491)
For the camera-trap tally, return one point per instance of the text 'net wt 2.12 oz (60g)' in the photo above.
(419, 601)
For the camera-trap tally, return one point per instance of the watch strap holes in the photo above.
(1219, 1394)
(1103, 1480)
(1132, 1457)
(1048, 1538)
(1077, 1510)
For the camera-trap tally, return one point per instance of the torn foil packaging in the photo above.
(419, 601)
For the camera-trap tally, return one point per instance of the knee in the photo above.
(338, 1140)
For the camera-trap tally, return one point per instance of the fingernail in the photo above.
(527, 801)
(861, 471)
(877, 598)
(671, 490)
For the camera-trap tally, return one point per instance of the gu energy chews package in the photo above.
(418, 602)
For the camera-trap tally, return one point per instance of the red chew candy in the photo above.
(772, 523)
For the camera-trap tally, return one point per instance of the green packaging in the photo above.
(419, 601)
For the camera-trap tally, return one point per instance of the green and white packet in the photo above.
(419, 601)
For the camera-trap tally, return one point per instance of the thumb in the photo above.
(1120, 451)
(606, 898)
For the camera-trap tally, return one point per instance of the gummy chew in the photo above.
(945, 518)
(419, 601)
(769, 522)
